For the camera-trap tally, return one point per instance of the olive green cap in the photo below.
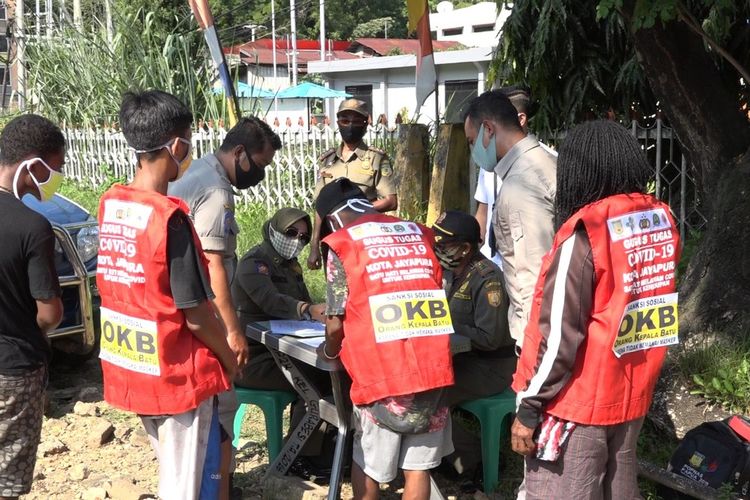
(355, 105)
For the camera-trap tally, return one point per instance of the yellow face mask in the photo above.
(48, 188)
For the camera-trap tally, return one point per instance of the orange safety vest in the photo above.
(635, 249)
(397, 321)
(151, 362)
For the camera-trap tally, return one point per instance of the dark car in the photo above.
(76, 252)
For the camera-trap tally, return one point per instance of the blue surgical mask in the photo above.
(485, 157)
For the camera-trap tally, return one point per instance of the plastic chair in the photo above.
(494, 414)
(272, 403)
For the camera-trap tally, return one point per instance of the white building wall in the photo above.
(394, 89)
(460, 25)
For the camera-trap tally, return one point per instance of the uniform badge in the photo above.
(261, 268)
(228, 222)
(386, 170)
(494, 297)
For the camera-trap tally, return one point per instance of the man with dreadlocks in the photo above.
(605, 310)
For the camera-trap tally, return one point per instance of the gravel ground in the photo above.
(88, 448)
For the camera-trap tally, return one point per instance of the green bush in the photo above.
(720, 372)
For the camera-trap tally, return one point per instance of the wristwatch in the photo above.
(305, 313)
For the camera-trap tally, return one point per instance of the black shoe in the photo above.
(302, 468)
(471, 483)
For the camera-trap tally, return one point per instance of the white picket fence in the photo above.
(94, 155)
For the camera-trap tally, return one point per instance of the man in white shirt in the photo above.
(488, 183)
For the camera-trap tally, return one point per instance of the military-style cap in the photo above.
(359, 107)
(335, 194)
(284, 218)
(456, 226)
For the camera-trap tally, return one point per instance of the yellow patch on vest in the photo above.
(129, 342)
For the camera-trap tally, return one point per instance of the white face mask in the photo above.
(46, 189)
(364, 204)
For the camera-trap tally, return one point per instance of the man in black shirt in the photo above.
(32, 151)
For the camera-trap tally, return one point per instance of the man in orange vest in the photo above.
(604, 310)
(163, 350)
(388, 319)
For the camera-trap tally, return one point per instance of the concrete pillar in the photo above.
(450, 185)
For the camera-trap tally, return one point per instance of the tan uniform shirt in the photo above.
(523, 221)
(367, 167)
(206, 189)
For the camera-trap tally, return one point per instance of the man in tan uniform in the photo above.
(367, 167)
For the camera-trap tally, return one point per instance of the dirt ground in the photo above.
(90, 450)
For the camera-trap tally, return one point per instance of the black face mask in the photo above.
(352, 134)
(245, 179)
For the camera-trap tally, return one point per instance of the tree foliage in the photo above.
(578, 56)
(576, 65)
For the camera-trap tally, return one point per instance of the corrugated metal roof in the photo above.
(385, 46)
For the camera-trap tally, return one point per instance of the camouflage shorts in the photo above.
(21, 412)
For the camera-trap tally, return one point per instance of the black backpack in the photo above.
(716, 453)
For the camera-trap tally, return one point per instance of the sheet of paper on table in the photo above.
(302, 329)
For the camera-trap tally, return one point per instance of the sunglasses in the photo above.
(293, 232)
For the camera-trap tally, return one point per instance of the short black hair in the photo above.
(27, 136)
(253, 134)
(598, 159)
(493, 105)
(520, 97)
(151, 118)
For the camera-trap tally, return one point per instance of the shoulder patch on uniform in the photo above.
(326, 154)
(495, 297)
(261, 267)
(485, 268)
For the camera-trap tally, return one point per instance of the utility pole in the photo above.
(77, 15)
(36, 18)
(293, 13)
(273, 43)
(50, 21)
(20, 55)
(323, 30)
(386, 29)
(108, 14)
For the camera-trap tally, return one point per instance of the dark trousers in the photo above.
(475, 377)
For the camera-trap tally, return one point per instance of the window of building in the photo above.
(483, 28)
(3, 43)
(458, 93)
(3, 16)
(361, 92)
(453, 31)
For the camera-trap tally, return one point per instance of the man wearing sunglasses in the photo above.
(208, 188)
(367, 167)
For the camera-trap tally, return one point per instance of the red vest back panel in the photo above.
(151, 362)
(397, 322)
(635, 248)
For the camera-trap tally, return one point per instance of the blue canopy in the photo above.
(308, 90)
(245, 90)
